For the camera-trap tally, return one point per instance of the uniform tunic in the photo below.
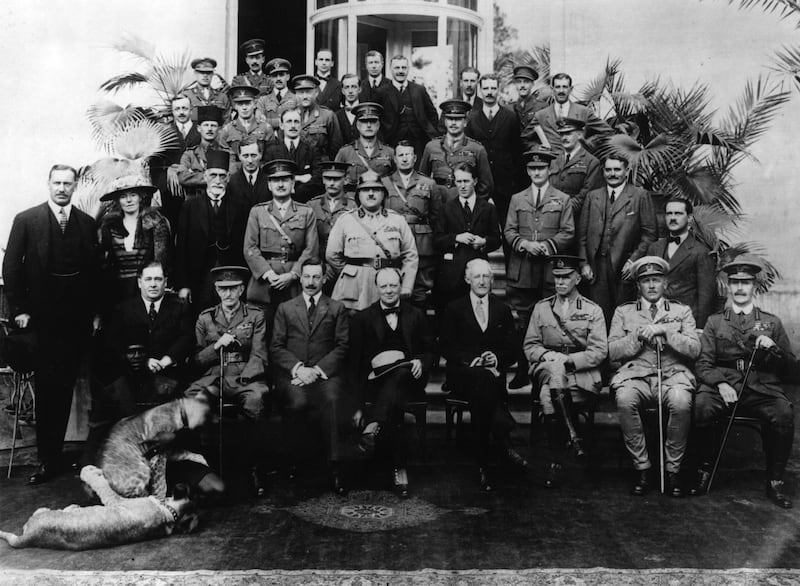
(260, 81)
(325, 221)
(439, 160)
(234, 132)
(577, 177)
(216, 97)
(352, 238)
(526, 111)
(381, 161)
(321, 129)
(245, 360)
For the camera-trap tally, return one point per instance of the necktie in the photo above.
(374, 83)
(279, 97)
(674, 239)
(312, 309)
(566, 161)
(538, 196)
(215, 205)
(252, 179)
(152, 313)
(292, 149)
(62, 220)
(467, 211)
(491, 115)
(479, 311)
(613, 197)
(653, 310)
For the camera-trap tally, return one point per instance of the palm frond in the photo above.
(169, 74)
(787, 63)
(713, 225)
(107, 118)
(87, 194)
(784, 8)
(764, 279)
(141, 139)
(123, 81)
(659, 156)
(602, 83)
(136, 46)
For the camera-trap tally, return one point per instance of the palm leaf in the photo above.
(784, 8)
(87, 194)
(169, 75)
(764, 279)
(787, 63)
(602, 83)
(107, 118)
(141, 139)
(713, 225)
(136, 46)
(123, 81)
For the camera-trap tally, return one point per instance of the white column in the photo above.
(352, 44)
(311, 8)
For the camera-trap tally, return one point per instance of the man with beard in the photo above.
(191, 170)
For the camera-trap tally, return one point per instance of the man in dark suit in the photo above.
(408, 112)
(375, 80)
(691, 278)
(249, 183)
(330, 89)
(497, 129)
(466, 228)
(575, 171)
(50, 272)
(563, 108)
(350, 99)
(308, 350)
(617, 225)
(477, 339)
(288, 144)
(210, 233)
(391, 351)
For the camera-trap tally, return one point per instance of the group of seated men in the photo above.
(325, 302)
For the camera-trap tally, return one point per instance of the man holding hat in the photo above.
(391, 352)
(328, 207)
(539, 224)
(639, 330)
(565, 345)
(235, 333)
(730, 339)
(528, 103)
(245, 125)
(269, 105)
(575, 171)
(253, 50)
(443, 153)
(210, 233)
(367, 152)
(368, 239)
(281, 234)
(200, 93)
(319, 125)
(192, 167)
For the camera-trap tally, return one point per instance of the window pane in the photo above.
(470, 4)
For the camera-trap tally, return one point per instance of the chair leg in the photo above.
(19, 388)
(421, 417)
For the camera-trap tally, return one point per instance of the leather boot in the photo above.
(776, 495)
(642, 485)
(701, 484)
(673, 487)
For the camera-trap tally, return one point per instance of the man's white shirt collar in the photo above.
(55, 208)
(617, 190)
(470, 200)
(307, 298)
(746, 310)
(147, 303)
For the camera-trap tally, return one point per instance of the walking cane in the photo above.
(730, 421)
(660, 376)
(19, 387)
(221, 388)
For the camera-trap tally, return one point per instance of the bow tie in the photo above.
(319, 77)
(390, 310)
(674, 239)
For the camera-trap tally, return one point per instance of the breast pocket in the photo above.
(551, 215)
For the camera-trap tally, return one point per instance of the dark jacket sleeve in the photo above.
(332, 363)
(183, 344)
(15, 282)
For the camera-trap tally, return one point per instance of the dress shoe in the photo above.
(673, 487)
(701, 485)
(260, 485)
(642, 485)
(514, 457)
(337, 481)
(400, 482)
(577, 448)
(45, 473)
(552, 478)
(776, 495)
(486, 483)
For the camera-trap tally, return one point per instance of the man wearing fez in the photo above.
(288, 144)
(200, 93)
(269, 105)
(191, 170)
(527, 104)
(245, 125)
(638, 330)
(236, 333)
(443, 153)
(318, 124)
(281, 234)
(692, 270)
(330, 89)
(565, 345)
(250, 182)
(729, 340)
(50, 273)
(391, 351)
(367, 152)
(253, 50)
(575, 171)
(368, 239)
(539, 224)
(477, 339)
(328, 207)
(415, 197)
(210, 233)
(308, 350)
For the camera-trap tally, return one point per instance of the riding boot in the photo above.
(562, 401)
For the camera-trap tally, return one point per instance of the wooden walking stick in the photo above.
(660, 376)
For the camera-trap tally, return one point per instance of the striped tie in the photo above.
(62, 220)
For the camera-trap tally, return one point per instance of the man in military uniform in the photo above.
(575, 171)
(640, 329)
(443, 153)
(565, 344)
(526, 106)
(729, 341)
(200, 93)
(192, 167)
(539, 224)
(366, 153)
(236, 334)
(367, 239)
(253, 50)
(415, 196)
(245, 125)
(327, 209)
(268, 106)
(320, 127)
(280, 235)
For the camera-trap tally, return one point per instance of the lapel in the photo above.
(683, 252)
(301, 312)
(322, 309)
(204, 214)
(481, 207)
(622, 199)
(404, 321)
(42, 231)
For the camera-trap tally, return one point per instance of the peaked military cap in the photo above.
(277, 65)
(204, 64)
(304, 82)
(650, 265)
(280, 168)
(370, 179)
(743, 267)
(525, 72)
(564, 264)
(337, 168)
(368, 111)
(253, 47)
(128, 183)
(209, 114)
(569, 124)
(455, 108)
(217, 160)
(538, 157)
(242, 93)
(230, 276)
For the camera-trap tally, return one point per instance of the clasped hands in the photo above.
(277, 281)
(653, 334)
(470, 239)
(534, 248)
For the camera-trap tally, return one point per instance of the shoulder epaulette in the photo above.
(546, 300)
(209, 310)
(586, 300)
(253, 307)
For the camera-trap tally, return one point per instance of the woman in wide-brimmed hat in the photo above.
(131, 234)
